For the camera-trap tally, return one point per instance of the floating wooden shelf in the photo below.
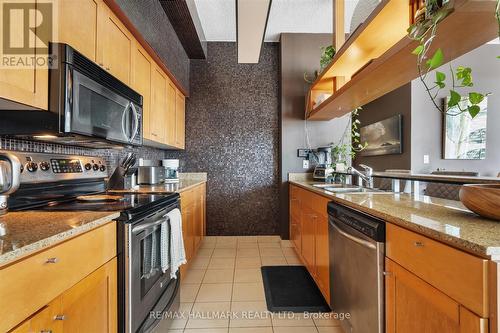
(377, 58)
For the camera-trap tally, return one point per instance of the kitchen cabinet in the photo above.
(158, 105)
(25, 85)
(57, 270)
(141, 82)
(193, 203)
(171, 116)
(43, 320)
(412, 305)
(114, 45)
(309, 234)
(91, 305)
(180, 120)
(82, 37)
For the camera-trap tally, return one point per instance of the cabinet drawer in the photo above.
(30, 284)
(459, 275)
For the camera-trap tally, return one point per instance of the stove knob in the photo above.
(102, 168)
(88, 166)
(95, 167)
(45, 166)
(31, 166)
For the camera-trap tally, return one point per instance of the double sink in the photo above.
(343, 188)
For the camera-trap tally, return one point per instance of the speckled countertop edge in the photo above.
(490, 252)
(38, 246)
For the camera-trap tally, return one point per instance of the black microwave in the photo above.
(87, 106)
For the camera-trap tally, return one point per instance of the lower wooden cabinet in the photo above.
(309, 234)
(412, 305)
(43, 320)
(193, 218)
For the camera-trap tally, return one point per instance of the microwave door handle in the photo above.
(69, 87)
(124, 115)
(136, 121)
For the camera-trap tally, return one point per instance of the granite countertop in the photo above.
(447, 221)
(28, 232)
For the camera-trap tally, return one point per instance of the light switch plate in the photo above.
(305, 164)
(426, 159)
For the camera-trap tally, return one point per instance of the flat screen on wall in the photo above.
(383, 137)
(464, 138)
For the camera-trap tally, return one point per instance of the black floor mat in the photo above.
(291, 288)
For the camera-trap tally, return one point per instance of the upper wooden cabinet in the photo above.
(180, 120)
(171, 124)
(158, 105)
(114, 45)
(72, 31)
(28, 85)
(141, 82)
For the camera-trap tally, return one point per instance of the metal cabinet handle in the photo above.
(419, 244)
(387, 273)
(60, 317)
(46, 331)
(51, 260)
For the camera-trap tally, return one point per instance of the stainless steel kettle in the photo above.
(10, 174)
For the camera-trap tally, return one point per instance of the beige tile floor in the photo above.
(222, 292)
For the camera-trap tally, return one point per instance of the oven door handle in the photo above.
(354, 238)
(142, 227)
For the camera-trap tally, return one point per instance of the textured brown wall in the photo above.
(232, 133)
(393, 103)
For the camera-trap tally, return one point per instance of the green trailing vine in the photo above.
(424, 31)
(343, 150)
(327, 53)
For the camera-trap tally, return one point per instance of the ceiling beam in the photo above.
(251, 23)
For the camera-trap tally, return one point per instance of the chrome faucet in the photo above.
(366, 175)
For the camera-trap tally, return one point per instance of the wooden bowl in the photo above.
(482, 199)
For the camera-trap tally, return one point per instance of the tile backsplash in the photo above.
(111, 156)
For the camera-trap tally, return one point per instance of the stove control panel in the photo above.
(41, 167)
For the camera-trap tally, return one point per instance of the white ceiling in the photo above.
(218, 18)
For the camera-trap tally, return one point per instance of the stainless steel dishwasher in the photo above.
(357, 249)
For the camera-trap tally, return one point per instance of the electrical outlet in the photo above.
(426, 159)
(303, 152)
(305, 164)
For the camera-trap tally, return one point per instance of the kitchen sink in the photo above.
(341, 188)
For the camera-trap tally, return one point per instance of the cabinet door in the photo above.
(43, 321)
(158, 105)
(180, 119)
(412, 305)
(171, 121)
(114, 45)
(91, 304)
(82, 37)
(308, 229)
(26, 85)
(322, 256)
(197, 223)
(141, 82)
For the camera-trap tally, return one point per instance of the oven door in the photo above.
(150, 289)
(95, 110)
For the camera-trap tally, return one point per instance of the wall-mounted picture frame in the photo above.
(382, 137)
(464, 138)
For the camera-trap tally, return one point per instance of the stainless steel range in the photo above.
(72, 183)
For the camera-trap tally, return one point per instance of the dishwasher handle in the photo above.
(354, 238)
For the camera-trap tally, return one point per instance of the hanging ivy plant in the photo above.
(343, 150)
(424, 31)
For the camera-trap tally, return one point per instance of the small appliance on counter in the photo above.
(10, 173)
(323, 168)
(150, 175)
(171, 170)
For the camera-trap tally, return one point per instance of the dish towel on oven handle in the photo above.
(165, 244)
(177, 253)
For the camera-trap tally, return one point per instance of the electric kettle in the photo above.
(10, 174)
